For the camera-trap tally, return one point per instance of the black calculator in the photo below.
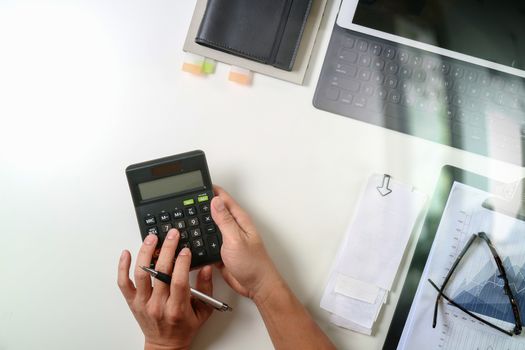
(176, 192)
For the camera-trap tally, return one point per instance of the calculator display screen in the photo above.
(171, 185)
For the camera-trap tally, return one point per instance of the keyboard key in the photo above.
(207, 219)
(360, 102)
(403, 56)
(165, 228)
(416, 61)
(183, 235)
(420, 75)
(382, 93)
(213, 245)
(394, 97)
(347, 97)
(430, 63)
(198, 243)
(362, 45)
(368, 90)
(348, 55)
(193, 222)
(164, 217)
(405, 72)
(210, 229)
(191, 211)
(444, 68)
(179, 225)
(378, 64)
(389, 52)
(194, 233)
(150, 220)
(391, 82)
(152, 230)
(365, 60)
(332, 93)
(205, 208)
(345, 69)
(458, 72)
(345, 84)
(377, 78)
(178, 214)
(364, 74)
(349, 42)
(376, 49)
(472, 76)
(200, 253)
(391, 68)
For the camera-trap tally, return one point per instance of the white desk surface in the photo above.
(89, 87)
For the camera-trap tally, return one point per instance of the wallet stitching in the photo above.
(285, 16)
(305, 20)
(225, 46)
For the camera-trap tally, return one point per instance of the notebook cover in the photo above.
(266, 31)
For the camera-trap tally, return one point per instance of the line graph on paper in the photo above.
(476, 285)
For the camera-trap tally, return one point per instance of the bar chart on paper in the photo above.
(476, 285)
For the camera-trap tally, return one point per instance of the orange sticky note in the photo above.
(193, 64)
(240, 75)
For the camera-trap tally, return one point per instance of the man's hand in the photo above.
(167, 314)
(247, 267)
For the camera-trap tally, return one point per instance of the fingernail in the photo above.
(184, 252)
(218, 204)
(122, 255)
(172, 234)
(150, 239)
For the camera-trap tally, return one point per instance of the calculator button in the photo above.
(198, 243)
(150, 220)
(152, 230)
(183, 235)
(164, 217)
(188, 201)
(183, 245)
(200, 253)
(180, 225)
(203, 198)
(191, 211)
(213, 245)
(210, 229)
(178, 214)
(165, 228)
(205, 208)
(193, 222)
(195, 233)
(206, 219)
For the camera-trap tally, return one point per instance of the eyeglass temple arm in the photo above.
(506, 284)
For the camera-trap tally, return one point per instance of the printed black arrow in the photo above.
(384, 190)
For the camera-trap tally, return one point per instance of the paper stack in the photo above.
(367, 262)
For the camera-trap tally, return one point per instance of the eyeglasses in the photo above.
(506, 287)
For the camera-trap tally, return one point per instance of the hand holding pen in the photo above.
(167, 314)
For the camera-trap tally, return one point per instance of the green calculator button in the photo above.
(202, 198)
(188, 202)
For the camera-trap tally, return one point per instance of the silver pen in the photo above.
(219, 305)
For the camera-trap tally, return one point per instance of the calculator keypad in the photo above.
(195, 224)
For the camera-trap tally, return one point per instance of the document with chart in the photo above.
(475, 284)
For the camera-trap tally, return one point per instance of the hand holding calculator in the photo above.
(176, 192)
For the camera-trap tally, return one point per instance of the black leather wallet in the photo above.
(267, 31)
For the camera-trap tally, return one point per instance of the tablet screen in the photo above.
(475, 284)
(489, 30)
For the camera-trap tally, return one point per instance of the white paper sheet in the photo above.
(462, 217)
(368, 259)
